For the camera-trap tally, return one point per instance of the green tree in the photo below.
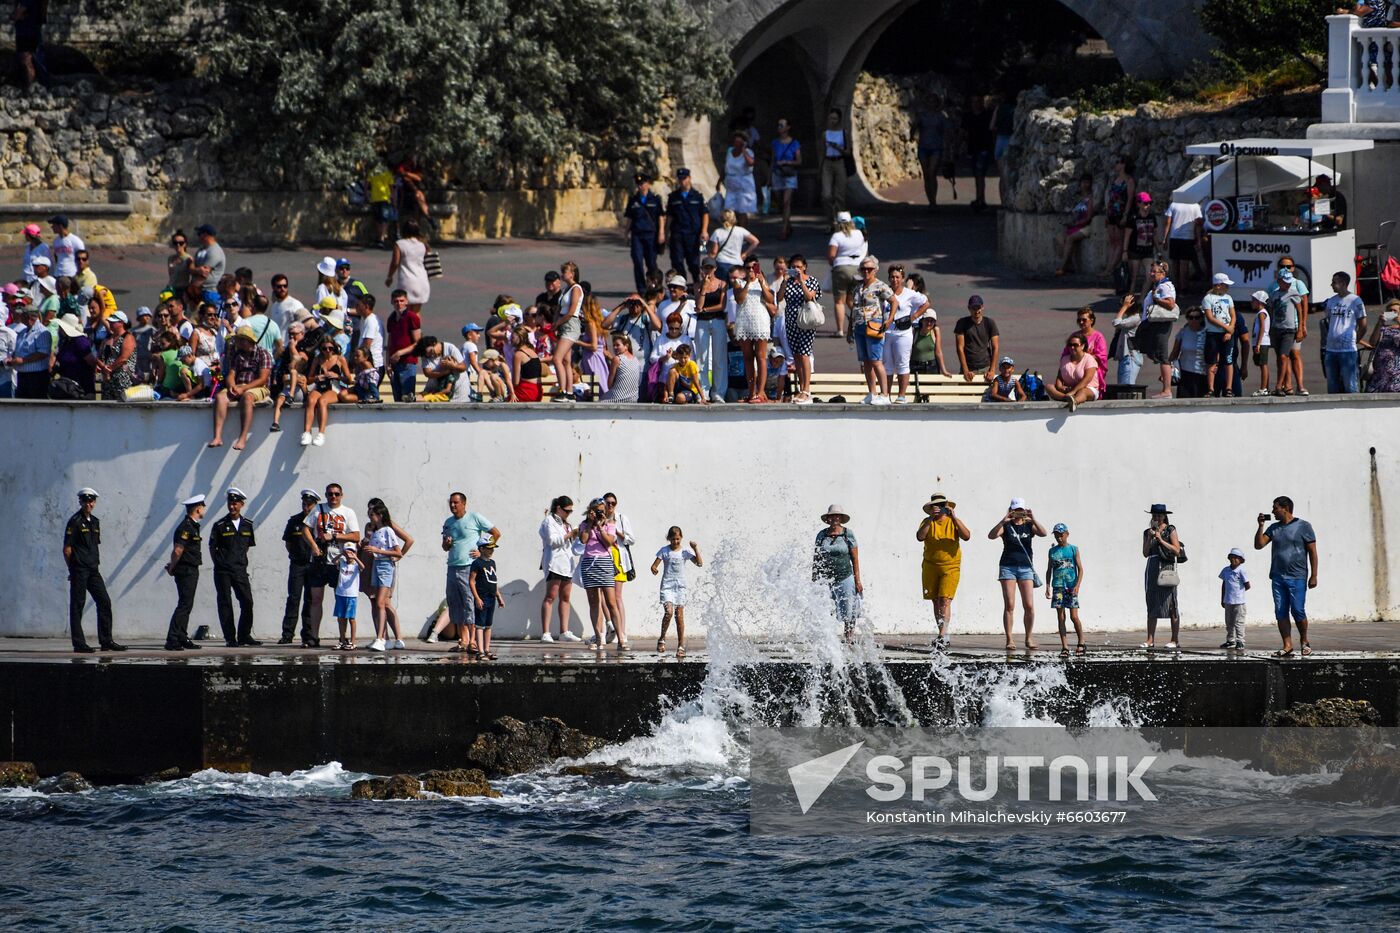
(1258, 36)
(485, 89)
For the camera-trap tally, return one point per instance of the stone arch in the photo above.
(833, 38)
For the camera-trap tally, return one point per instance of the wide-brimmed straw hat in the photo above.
(837, 511)
(938, 500)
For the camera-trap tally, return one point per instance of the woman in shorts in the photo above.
(382, 544)
(1017, 530)
(598, 571)
(557, 562)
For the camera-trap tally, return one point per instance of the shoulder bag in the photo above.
(1035, 576)
(432, 264)
(812, 315)
(1167, 574)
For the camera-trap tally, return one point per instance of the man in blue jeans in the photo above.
(1346, 317)
(1292, 570)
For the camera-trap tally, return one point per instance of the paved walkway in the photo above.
(1331, 640)
(954, 248)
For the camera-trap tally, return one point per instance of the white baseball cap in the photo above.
(1017, 503)
(1221, 278)
(1261, 296)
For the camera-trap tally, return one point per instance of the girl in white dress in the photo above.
(670, 562)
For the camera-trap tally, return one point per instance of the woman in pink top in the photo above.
(1098, 346)
(598, 571)
(1077, 381)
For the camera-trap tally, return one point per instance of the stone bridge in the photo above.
(803, 56)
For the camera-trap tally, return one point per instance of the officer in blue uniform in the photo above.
(81, 540)
(229, 541)
(689, 224)
(183, 565)
(646, 229)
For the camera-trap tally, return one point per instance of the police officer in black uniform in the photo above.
(183, 565)
(229, 541)
(646, 229)
(689, 224)
(81, 539)
(299, 559)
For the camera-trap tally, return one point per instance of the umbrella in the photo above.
(1257, 175)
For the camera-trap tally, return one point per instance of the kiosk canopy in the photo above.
(1311, 148)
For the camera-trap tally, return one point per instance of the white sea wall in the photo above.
(747, 484)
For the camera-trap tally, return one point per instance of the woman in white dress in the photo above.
(755, 309)
(740, 193)
(406, 267)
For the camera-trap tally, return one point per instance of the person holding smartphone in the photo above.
(1017, 530)
(942, 534)
(755, 309)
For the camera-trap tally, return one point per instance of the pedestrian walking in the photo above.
(229, 541)
(185, 560)
(82, 538)
(299, 569)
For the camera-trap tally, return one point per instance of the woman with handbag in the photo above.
(626, 569)
(1163, 549)
(406, 269)
(116, 358)
(787, 157)
(872, 308)
(802, 316)
(1017, 530)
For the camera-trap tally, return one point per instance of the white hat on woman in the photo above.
(837, 511)
(326, 266)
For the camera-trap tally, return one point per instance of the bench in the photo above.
(924, 387)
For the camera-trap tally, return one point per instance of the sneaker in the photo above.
(546, 637)
(1239, 645)
(377, 645)
(398, 644)
(716, 398)
(275, 428)
(1260, 392)
(869, 399)
(569, 636)
(1173, 646)
(612, 634)
(882, 400)
(320, 439)
(432, 639)
(902, 400)
(1228, 644)
(306, 438)
(593, 640)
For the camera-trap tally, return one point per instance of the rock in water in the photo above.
(458, 782)
(1331, 712)
(397, 787)
(69, 782)
(18, 774)
(605, 775)
(158, 777)
(510, 746)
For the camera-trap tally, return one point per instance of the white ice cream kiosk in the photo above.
(1259, 205)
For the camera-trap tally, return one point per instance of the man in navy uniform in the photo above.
(646, 229)
(229, 541)
(690, 224)
(183, 565)
(81, 539)
(299, 563)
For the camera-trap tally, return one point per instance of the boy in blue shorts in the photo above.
(1063, 576)
(347, 588)
(485, 595)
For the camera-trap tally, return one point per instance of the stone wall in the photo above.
(1054, 143)
(882, 120)
(130, 167)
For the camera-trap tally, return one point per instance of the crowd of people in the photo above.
(327, 547)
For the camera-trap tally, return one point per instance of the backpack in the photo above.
(1034, 386)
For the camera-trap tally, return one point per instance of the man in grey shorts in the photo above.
(1288, 310)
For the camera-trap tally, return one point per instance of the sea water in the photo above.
(666, 847)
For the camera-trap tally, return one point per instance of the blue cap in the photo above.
(1285, 275)
(342, 263)
(486, 541)
(975, 301)
(1061, 528)
(682, 173)
(470, 328)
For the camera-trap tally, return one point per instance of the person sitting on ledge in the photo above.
(247, 367)
(1078, 376)
(683, 384)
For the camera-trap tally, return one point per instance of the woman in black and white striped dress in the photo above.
(598, 571)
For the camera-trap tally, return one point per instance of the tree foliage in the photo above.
(1257, 36)
(480, 88)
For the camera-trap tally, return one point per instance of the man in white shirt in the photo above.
(327, 529)
(1182, 237)
(34, 248)
(1346, 316)
(65, 247)
(368, 332)
(284, 307)
(678, 301)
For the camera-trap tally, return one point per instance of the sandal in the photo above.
(1080, 649)
(622, 646)
(661, 646)
(1064, 652)
(1307, 650)
(489, 656)
(680, 652)
(1281, 654)
(1303, 392)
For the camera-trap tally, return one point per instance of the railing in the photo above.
(1363, 73)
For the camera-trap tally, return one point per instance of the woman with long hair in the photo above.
(557, 562)
(383, 547)
(568, 328)
(599, 572)
(527, 370)
(595, 342)
(207, 335)
(327, 376)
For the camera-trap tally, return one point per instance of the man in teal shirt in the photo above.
(460, 533)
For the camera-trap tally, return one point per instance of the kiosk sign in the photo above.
(1217, 215)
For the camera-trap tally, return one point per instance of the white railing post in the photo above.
(1338, 100)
